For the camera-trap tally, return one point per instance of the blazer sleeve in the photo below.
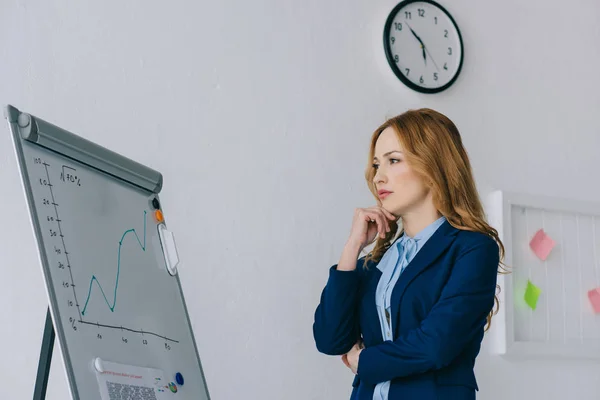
(455, 320)
(336, 326)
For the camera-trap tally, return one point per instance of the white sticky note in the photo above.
(167, 241)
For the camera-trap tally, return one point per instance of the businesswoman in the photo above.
(409, 317)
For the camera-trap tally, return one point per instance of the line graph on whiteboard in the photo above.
(95, 280)
(94, 290)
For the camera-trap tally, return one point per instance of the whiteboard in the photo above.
(112, 297)
(563, 322)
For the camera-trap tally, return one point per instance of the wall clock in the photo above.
(423, 45)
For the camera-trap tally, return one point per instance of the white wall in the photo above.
(259, 116)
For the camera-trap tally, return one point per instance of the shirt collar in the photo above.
(425, 233)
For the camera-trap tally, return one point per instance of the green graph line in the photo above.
(94, 279)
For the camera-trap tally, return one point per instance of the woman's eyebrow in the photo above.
(388, 153)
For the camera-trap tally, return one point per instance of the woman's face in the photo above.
(399, 188)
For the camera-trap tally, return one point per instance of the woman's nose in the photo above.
(379, 177)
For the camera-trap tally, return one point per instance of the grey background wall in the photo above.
(259, 116)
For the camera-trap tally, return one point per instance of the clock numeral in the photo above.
(396, 58)
(421, 12)
(421, 79)
(449, 51)
(407, 71)
(407, 15)
(435, 76)
(398, 26)
(445, 32)
(393, 39)
(435, 18)
(446, 66)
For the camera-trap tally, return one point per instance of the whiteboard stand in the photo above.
(41, 382)
(110, 265)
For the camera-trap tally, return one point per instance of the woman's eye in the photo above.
(394, 159)
(375, 166)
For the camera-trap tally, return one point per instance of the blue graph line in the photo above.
(94, 279)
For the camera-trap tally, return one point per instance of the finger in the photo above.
(375, 217)
(388, 217)
(389, 214)
(381, 224)
(367, 216)
(345, 360)
(384, 218)
(385, 221)
(371, 219)
(386, 213)
(370, 216)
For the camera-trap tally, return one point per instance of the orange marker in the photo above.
(159, 216)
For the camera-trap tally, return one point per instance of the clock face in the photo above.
(423, 45)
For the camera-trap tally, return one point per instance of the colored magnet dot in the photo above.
(159, 216)
(179, 378)
(173, 387)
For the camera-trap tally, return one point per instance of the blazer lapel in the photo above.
(433, 248)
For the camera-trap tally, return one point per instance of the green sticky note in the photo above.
(532, 293)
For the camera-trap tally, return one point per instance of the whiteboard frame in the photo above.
(502, 334)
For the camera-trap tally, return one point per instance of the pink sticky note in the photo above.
(594, 296)
(541, 244)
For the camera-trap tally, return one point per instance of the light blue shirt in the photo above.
(392, 264)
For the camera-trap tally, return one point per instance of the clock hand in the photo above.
(414, 34)
(423, 47)
(420, 41)
(436, 67)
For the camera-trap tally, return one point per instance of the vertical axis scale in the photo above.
(62, 238)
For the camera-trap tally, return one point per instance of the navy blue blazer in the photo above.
(439, 309)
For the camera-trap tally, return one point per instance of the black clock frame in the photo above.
(390, 56)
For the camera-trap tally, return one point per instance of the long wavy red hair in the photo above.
(433, 147)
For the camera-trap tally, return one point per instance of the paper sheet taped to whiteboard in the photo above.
(127, 382)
